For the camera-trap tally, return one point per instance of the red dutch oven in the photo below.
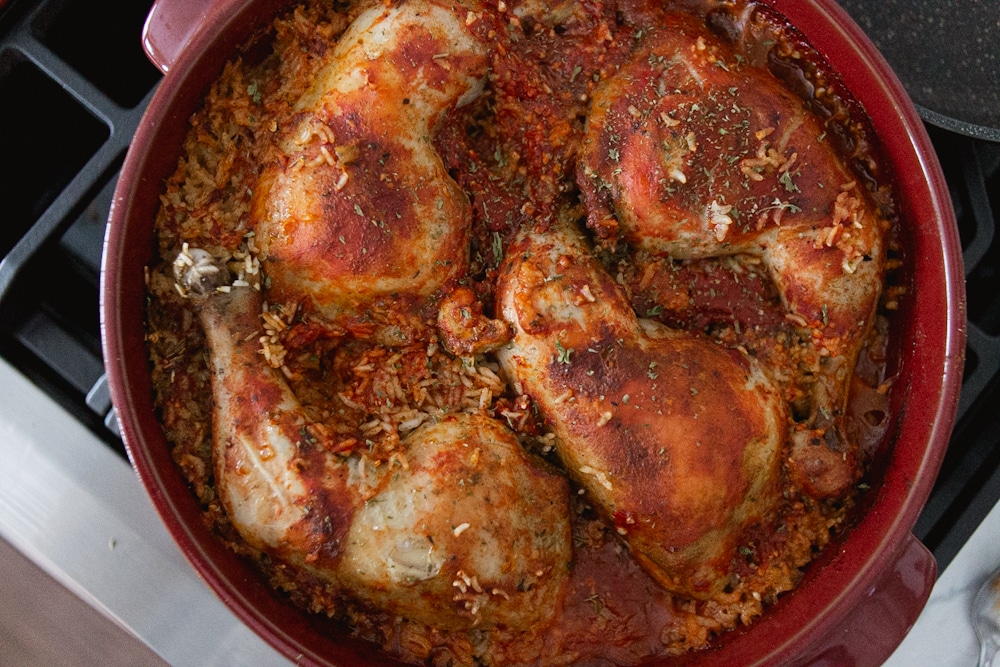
(857, 600)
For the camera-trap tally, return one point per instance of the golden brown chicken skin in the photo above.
(356, 203)
(460, 529)
(691, 153)
(676, 439)
(464, 531)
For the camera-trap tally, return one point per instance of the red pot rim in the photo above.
(842, 578)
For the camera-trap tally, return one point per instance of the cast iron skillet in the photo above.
(857, 600)
(946, 54)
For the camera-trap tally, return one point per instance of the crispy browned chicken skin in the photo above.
(463, 530)
(356, 203)
(676, 439)
(691, 153)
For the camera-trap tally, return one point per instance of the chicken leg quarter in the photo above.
(465, 531)
(676, 439)
(469, 533)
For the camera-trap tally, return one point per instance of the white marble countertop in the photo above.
(943, 636)
(80, 513)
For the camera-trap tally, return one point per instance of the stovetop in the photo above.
(69, 105)
(73, 86)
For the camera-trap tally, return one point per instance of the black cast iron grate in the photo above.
(70, 107)
(968, 485)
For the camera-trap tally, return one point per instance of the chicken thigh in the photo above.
(676, 439)
(356, 204)
(691, 153)
(466, 533)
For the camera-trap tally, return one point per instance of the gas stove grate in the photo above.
(968, 485)
(71, 106)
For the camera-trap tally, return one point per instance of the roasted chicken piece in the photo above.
(356, 204)
(463, 327)
(677, 440)
(463, 531)
(691, 153)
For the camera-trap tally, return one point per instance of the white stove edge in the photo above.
(79, 512)
(76, 509)
(943, 634)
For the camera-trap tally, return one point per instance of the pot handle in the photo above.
(169, 27)
(879, 622)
